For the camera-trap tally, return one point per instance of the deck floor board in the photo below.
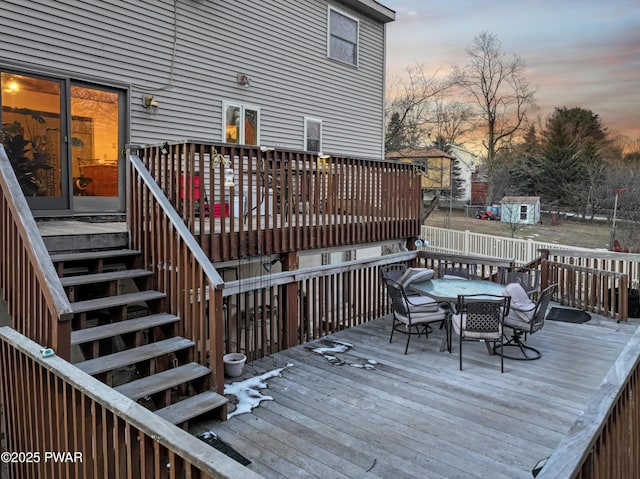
(417, 415)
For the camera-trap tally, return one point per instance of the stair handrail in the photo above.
(52, 289)
(172, 215)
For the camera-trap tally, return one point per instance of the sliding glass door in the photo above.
(98, 182)
(33, 130)
(64, 140)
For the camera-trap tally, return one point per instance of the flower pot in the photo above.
(234, 364)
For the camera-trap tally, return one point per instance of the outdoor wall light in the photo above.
(244, 80)
(150, 103)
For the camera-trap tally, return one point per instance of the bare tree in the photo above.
(498, 86)
(452, 119)
(409, 111)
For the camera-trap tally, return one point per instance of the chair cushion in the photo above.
(422, 317)
(456, 319)
(422, 304)
(451, 276)
(522, 308)
(415, 275)
(514, 320)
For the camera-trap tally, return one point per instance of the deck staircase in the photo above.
(123, 336)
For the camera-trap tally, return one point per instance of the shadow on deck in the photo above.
(418, 415)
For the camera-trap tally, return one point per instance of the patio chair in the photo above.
(404, 276)
(528, 279)
(392, 271)
(479, 317)
(525, 317)
(412, 316)
(457, 272)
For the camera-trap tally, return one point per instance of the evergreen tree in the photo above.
(572, 160)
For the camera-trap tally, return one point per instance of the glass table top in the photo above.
(449, 289)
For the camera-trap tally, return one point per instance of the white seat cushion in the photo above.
(422, 304)
(412, 275)
(451, 276)
(522, 308)
(422, 317)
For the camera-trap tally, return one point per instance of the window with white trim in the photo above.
(343, 37)
(312, 134)
(242, 124)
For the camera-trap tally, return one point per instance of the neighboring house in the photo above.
(520, 210)
(434, 165)
(82, 79)
(467, 162)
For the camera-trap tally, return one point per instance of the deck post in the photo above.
(290, 317)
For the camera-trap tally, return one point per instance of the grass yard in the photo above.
(586, 234)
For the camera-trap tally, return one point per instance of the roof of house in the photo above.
(418, 153)
(520, 199)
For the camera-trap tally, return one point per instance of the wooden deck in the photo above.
(418, 416)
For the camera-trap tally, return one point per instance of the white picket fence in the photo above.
(466, 242)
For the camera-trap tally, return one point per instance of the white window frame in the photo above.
(329, 35)
(307, 120)
(243, 107)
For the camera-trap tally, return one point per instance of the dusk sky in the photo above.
(578, 53)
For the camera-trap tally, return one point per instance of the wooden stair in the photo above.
(123, 336)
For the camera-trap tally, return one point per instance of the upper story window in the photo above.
(312, 134)
(343, 37)
(242, 124)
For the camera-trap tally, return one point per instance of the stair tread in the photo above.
(133, 355)
(103, 277)
(85, 255)
(112, 301)
(121, 327)
(191, 407)
(163, 381)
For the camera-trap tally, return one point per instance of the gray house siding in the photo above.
(280, 45)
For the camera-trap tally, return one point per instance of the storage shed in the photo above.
(520, 209)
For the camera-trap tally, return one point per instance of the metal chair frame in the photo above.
(529, 280)
(528, 353)
(403, 305)
(483, 314)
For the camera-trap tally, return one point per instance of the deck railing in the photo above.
(604, 442)
(180, 267)
(599, 291)
(269, 314)
(29, 284)
(241, 201)
(61, 422)
(595, 280)
(486, 267)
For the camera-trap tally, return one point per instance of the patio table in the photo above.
(448, 290)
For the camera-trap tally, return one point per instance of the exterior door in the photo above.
(34, 129)
(96, 140)
(63, 139)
